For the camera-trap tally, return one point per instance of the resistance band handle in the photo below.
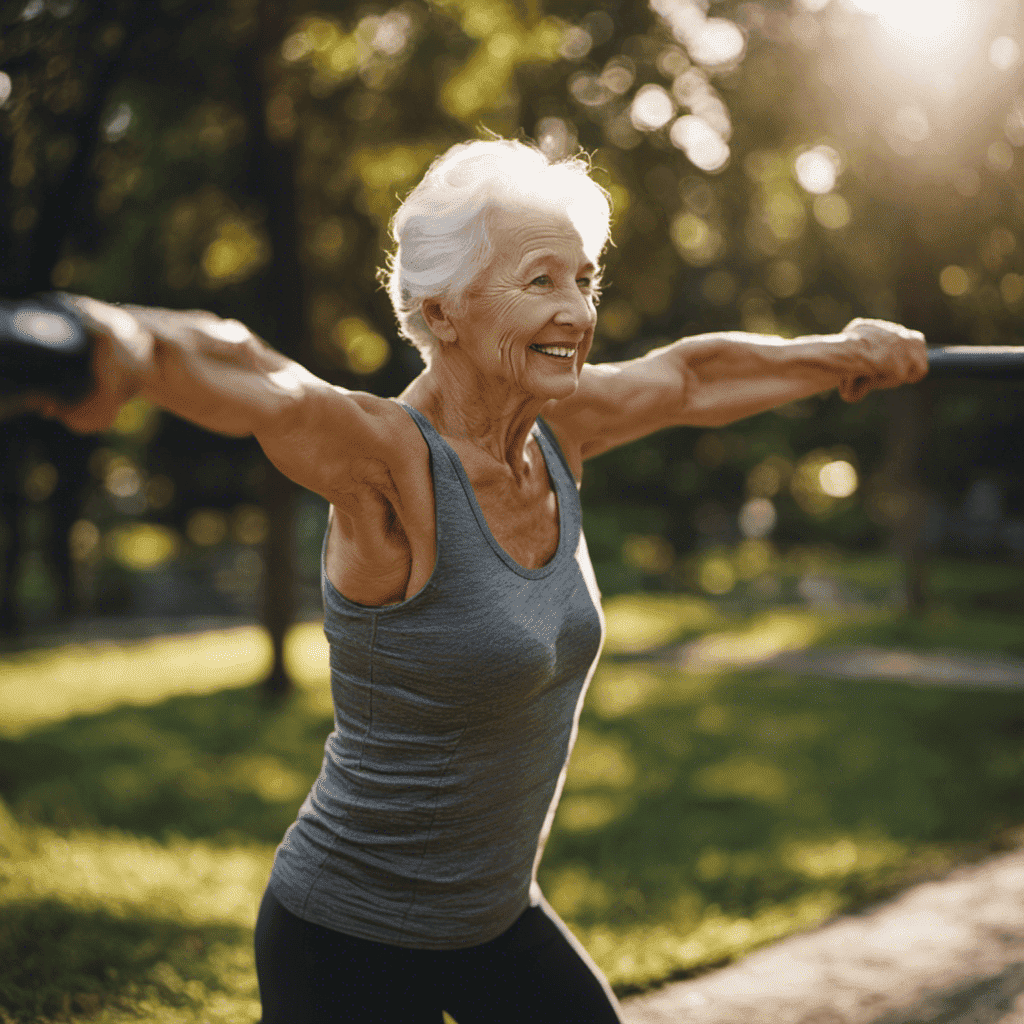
(986, 362)
(44, 348)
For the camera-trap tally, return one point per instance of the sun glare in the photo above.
(920, 24)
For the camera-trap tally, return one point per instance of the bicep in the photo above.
(617, 403)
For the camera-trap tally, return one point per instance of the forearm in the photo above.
(731, 375)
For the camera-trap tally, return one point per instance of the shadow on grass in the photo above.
(690, 798)
(64, 959)
(755, 789)
(222, 766)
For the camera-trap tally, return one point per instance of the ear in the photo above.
(439, 321)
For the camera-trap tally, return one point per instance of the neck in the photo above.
(490, 414)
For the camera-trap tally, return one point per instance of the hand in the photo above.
(884, 355)
(122, 361)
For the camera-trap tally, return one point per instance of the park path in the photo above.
(717, 651)
(946, 951)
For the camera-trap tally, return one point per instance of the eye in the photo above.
(585, 282)
(542, 280)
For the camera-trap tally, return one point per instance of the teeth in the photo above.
(565, 351)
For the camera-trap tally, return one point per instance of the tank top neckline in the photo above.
(552, 464)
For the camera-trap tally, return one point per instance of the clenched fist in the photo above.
(122, 363)
(880, 355)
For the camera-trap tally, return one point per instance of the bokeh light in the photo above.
(838, 479)
(1004, 53)
(118, 123)
(757, 518)
(556, 137)
(719, 41)
(703, 146)
(142, 546)
(1012, 288)
(652, 108)
(817, 169)
(648, 552)
(832, 211)
(716, 575)
(365, 350)
(955, 281)
(206, 527)
(236, 253)
(6, 87)
(713, 42)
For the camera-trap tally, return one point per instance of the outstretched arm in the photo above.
(715, 379)
(218, 374)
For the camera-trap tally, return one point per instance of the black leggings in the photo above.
(534, 973)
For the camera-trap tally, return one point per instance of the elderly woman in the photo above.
(461, 608)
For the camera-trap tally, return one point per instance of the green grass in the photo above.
(146, 786)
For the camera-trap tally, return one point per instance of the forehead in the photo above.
(521, 234)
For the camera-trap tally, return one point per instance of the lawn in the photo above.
(144, 787)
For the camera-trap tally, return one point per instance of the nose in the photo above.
(576, 310)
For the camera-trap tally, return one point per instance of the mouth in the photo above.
(564, 352)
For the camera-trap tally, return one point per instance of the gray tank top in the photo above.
(455, 714)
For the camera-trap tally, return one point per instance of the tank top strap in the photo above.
(454, 521)
(562, 479)
(447, 482)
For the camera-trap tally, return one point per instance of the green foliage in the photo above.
(911, 211)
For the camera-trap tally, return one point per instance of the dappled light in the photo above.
(763, 743)
(706, 811)
(642, 621)
(92, 678)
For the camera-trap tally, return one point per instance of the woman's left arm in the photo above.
(714, 379)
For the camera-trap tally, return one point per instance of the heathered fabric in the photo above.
(455, 713)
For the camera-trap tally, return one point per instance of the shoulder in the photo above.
(337, 439)
(617, 403)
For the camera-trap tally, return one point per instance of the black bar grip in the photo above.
(985, 362)
(44, 347)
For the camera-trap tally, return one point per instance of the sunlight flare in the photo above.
(919, 24)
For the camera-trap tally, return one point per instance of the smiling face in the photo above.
(528, 318)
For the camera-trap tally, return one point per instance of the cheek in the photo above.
(509, 320)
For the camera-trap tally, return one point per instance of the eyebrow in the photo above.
(547, 254)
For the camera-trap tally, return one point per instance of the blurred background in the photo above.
(776, 166)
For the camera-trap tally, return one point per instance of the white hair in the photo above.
(440, 230)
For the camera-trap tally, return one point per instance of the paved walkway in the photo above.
(932, 669)
(949, 951)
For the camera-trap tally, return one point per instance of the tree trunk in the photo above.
(272, 184)
(278, 598)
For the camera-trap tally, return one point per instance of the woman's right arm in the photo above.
(218, 374)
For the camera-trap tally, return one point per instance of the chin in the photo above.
(557, 389)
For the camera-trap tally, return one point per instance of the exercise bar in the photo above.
(984, 362)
